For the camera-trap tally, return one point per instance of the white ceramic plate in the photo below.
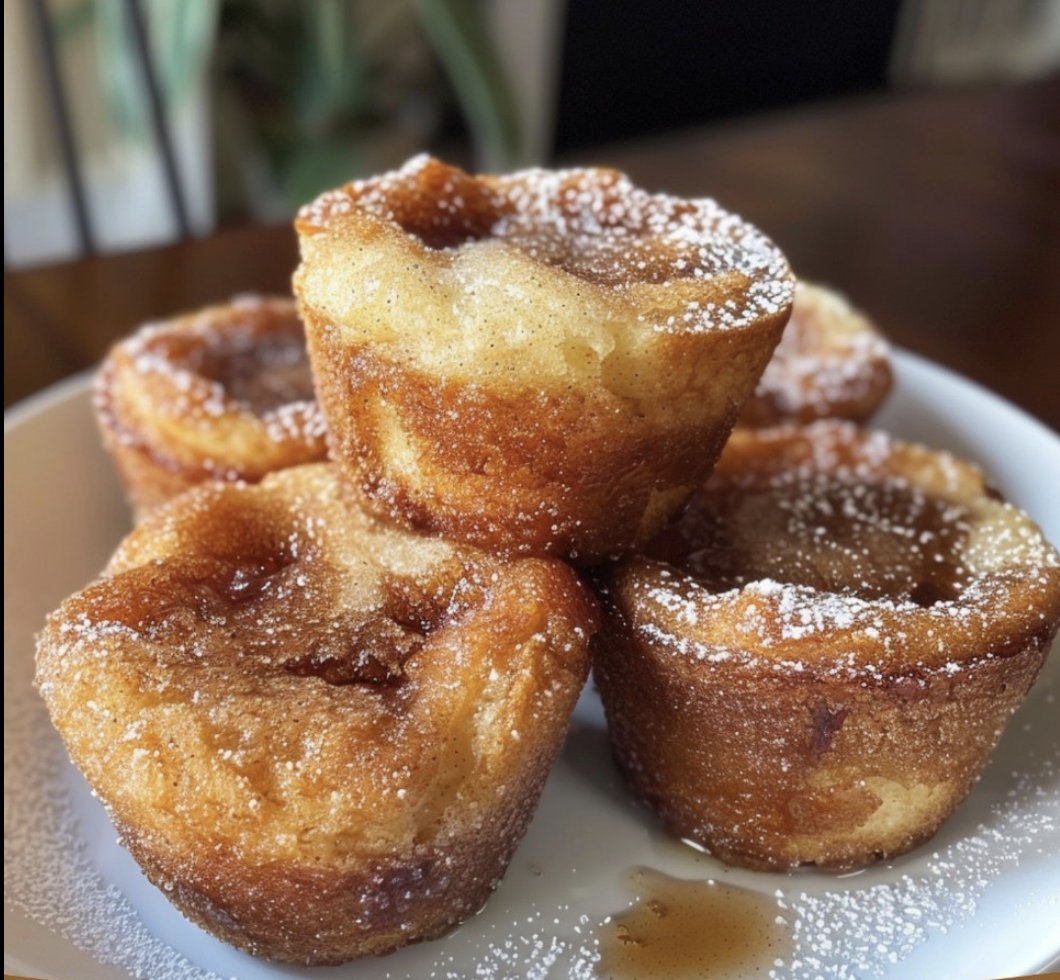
(981, 900)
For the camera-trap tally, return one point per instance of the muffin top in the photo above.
(555, 276)
(832, 547)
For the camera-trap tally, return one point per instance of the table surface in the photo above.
(937, 213)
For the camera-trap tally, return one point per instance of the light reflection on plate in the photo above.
(980, 900)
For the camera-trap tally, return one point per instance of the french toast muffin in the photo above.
(224, 393)
(543, 363)
(320, 737)
(813, 664)
(831, 362)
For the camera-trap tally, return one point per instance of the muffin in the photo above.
(831, 362)
(814, 663)
(224, 393)
(321, 738)
(545, 363)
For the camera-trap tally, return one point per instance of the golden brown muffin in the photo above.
(543, 363)
(225, 393)
(831, 362)
(320, 737)
(813, 665)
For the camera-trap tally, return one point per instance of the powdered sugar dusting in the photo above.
(533, 950)
(226, 390)
(808, 543)
(830, 362)
(865, 930)
(593, 223)
(48, 870)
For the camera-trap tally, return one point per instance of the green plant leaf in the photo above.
(463, 45)
(73, 20)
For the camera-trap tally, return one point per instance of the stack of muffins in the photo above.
(320, 697)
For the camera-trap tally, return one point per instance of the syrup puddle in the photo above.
(692, 930)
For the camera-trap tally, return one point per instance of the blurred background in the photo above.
(264, 103)
(855, 133)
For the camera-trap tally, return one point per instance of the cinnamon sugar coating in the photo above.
(320, 737)
(545, 363)
(813, 664)
(831, 362)
(224, 393)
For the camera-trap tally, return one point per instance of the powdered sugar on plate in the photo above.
(874, 926)
(48, 868)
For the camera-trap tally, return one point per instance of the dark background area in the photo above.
(635, 68)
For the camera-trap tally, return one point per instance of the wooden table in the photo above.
(937, 213)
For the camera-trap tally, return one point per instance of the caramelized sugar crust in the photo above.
(813, 664)
(831, 362)
(224, 393)
(543, 363)
(320, 737)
